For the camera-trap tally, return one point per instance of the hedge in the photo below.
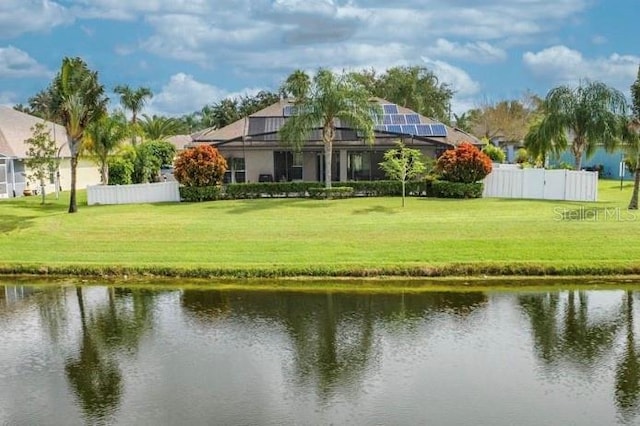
(331, 193)
(200, 193)
(446, 189)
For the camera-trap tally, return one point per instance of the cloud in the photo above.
(455, 77)
(480, 51)
(8, 99)
(563, 65)
(16, 63)
(24, 16)
(184, 95)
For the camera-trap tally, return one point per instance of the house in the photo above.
(15, 128)
(609, 164)
(254, 153)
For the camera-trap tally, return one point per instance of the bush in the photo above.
(385, 188)
(464, 164)
(496, 154)
(120, 171)
(200, 193)
(331, 193)
(522, 156)
(446, 189)
(200, 166)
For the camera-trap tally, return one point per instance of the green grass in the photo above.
(351, 237)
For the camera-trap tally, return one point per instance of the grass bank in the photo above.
(362, 237)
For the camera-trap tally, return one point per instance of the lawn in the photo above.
(351, 236)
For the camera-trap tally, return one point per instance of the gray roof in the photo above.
(16, 127)
(264, 125)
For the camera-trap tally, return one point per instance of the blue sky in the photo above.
(194, 52)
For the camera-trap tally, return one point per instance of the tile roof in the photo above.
(16, 127)
(275, 112)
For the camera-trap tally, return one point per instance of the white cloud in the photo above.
(183, 95)
(8, 99)
(23, 16)
(458, 79)
(479, 51)
(561, 64)
(16, 63)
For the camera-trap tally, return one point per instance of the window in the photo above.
(235, 172)
(287, 165)
(365, 165)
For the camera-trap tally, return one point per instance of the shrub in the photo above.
(464, 164)
(331, 193)
(200, 166)
(200, 193)
(522, 156)
(496, 154)
(120, 171)
(446, 189)
(272, 189)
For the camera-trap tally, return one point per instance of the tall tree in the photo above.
(507, 120)
(588, 114)
(416, 88)
(78, 101)
(133, 99)
(104, 137)
(634, 139)
(328, 98)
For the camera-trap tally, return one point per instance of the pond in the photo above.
(115, 355)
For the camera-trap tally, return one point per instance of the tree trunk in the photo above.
(328, 153)
(73, 206)
(577, 149)
(42, 190)
(104, 173)
(403, 190)
(633, 204)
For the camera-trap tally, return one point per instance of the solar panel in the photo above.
(386, 119)
(381, 128)
(398, 119)
(409, 129)
(413, 119)
(390, 109)
(394, 128)
(424, 130)
(439, 130)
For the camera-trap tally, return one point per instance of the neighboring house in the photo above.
(254, 153)
(179, 141)
(609, 162)
(15, 128)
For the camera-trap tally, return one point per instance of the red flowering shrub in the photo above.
(464, 164)
(200, 166)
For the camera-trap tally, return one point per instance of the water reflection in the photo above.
(332, 334)
(369, 355)
(564, 332)
(627, 380)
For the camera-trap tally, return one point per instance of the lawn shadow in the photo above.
(262, 204)
(11, 223)
(376, 209)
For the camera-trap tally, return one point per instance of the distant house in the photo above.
(254, 152)
(179, 141)
(608, 163)
(15, 128)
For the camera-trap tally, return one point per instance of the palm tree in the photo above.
(103, 137)
(157, 128)
(320, 104)
(78, 101)
(133, 100)
(588, 114)
(634, 147)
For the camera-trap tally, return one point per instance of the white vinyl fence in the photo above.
(541, 184)
(133, 194)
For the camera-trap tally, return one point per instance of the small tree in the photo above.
(403, 164)
(41, 152)
(464, 164)
(200, 166)
(493, 152)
